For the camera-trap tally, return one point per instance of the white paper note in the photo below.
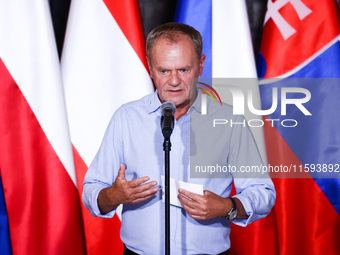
(175, 185)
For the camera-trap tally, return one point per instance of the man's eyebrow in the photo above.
(181, 68)
(162, 68)
(184, 67)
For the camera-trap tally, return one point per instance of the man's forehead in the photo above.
(173, 38)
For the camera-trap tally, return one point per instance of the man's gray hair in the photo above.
(170, 31)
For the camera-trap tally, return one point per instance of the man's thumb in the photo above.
(121, 172)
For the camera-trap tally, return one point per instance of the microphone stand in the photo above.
(168, 110)
(167, 149)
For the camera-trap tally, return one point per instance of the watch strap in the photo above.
(234, 203)
(233, 212)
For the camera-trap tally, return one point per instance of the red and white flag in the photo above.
(103, 66)
(36, 160)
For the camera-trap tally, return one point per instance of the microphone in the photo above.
(168, 110)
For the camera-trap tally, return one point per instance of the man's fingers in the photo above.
(133, 183)
(192, 196)
(145, 195)
(144, 191)
(207, 193)
(131, 192)
(192, 211)
(143, 198)
(148, 193)
(186, 202)
(137, 182)
(145, 186)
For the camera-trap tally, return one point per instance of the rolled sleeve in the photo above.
(90, 199)
(255, 190)
(104, 167)
(257, 200)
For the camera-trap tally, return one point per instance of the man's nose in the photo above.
(174, 79)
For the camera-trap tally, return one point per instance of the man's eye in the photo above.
(184, 70)
(163, 71)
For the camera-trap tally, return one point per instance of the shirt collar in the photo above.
(198, 101)
(154, 103)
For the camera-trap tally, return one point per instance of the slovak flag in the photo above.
(300, 45)
(103, 66)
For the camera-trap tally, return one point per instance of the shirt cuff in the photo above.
(249, 211)
(90, 200)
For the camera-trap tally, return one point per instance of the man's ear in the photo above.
(202, 59)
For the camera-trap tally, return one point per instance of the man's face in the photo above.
(174, 68)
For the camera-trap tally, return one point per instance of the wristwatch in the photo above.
(233, 212)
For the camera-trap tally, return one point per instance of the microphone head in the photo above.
(167, 106)
(167, 121)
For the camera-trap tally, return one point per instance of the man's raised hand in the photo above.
(125, 192)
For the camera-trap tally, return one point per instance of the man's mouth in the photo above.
(175, 91)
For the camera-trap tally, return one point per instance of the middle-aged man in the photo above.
(129, 164)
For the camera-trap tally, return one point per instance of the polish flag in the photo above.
(36, 162)
(103, 66)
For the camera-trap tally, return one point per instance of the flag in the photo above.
(227, 44)
(301, 40)
(228, 47)
(5, 239)
(103, 66)
(36, 162)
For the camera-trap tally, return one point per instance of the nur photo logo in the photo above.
(285, 97)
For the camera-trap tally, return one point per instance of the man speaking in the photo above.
(129, 165)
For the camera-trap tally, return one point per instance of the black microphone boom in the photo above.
(168, 110)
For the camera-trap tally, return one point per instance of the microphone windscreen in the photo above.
(168, 106)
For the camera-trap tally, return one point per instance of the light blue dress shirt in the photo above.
(134, 138)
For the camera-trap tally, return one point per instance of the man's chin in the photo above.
(178, 101)
(175, 100)
(181, 104)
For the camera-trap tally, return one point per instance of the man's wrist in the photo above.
(232, 213)
(227, 207)
(104, 200)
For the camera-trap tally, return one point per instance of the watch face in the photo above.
(232, 215)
